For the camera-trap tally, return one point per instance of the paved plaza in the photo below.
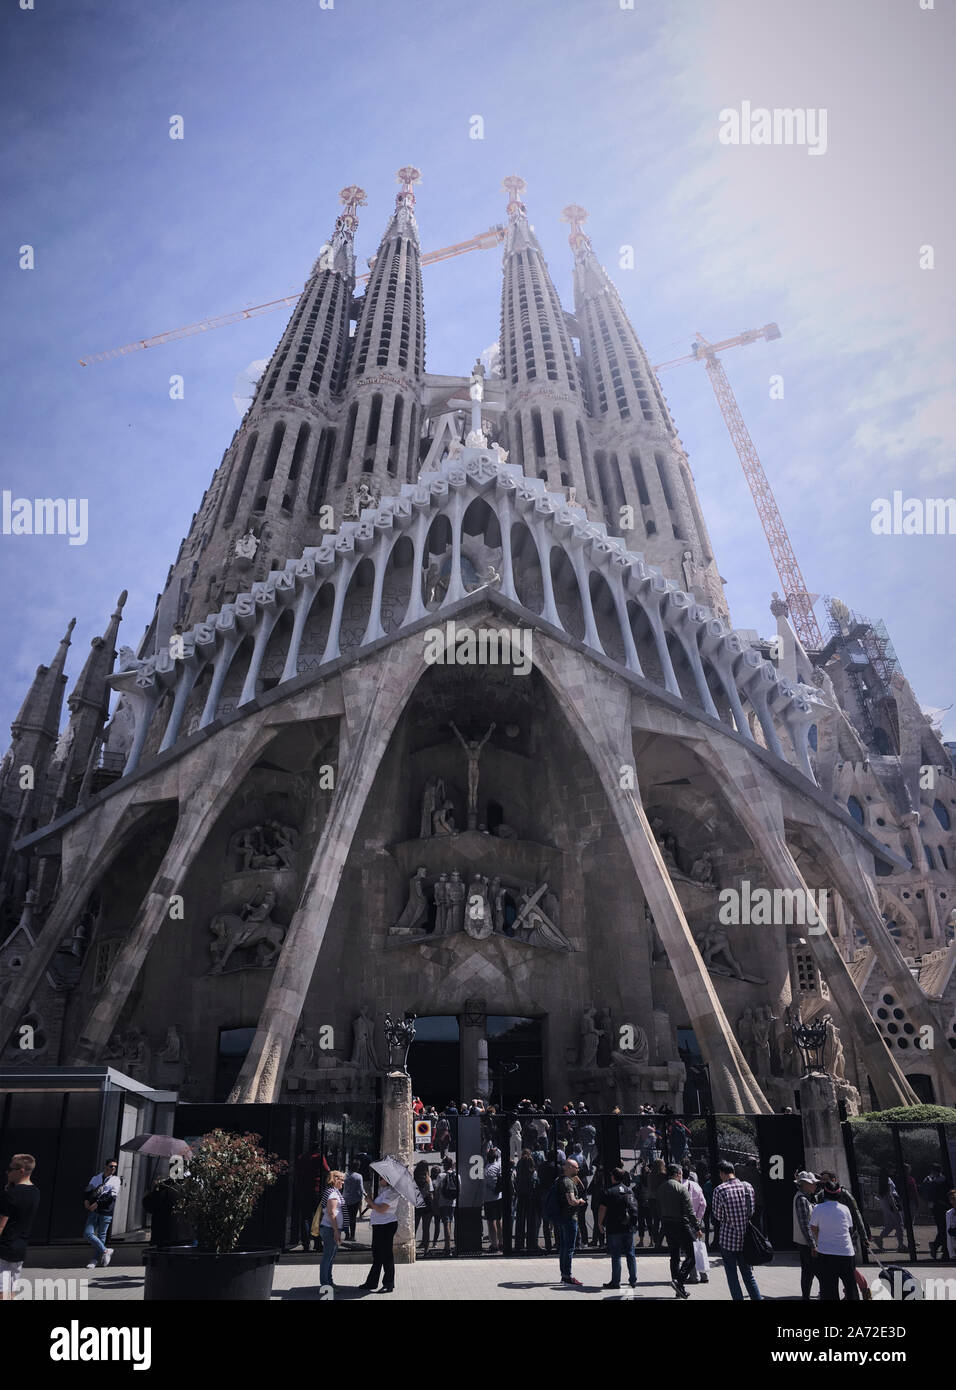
(494, 1278)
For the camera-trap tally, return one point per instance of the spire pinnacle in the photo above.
(407, 176)
(575, 214)
(514, 185)
(353, 197)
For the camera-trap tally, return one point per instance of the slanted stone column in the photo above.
(375, 693)
(399, 1141)
(753, 798)
(598, 707)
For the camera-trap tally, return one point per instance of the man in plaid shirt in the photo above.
(732, 1207)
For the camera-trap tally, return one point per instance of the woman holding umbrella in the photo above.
(397, 1182)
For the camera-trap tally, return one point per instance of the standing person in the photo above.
(891, 1208)
(699, 1204)
(951, 1225)
(803, 1199)
(449, 1190)
(428, 1211)
(655, 1177)
(861, 1230)
(935, 1197)
(647, 1142)
(526, 1188)
(493, 1200)
(732, 1207)
(99, 1199)
(680, 1227)
(639, 1186)
(332, 1224)
(617, 1219)
(384, 1223)
(548, 1173)
(441, 1139)
(831, 1227)
(309, 1177)
(18, 1208)
(596, 1197)
(565, 1218)
(353, 1193)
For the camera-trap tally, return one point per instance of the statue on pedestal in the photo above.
(432, 798)
(363, 1042)
(456, 903)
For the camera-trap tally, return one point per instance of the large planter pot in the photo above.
(183, 1273)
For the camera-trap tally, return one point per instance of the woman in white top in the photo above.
(831, 1231)
(384, 1223)
(332, 1226)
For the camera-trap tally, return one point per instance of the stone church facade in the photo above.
(441, 712)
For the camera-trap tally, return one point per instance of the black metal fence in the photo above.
(766, 1150)
(891, 1165)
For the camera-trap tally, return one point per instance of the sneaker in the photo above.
(93, 1264)
(106, 1256)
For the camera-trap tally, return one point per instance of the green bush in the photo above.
(921, 1114)
(228, 1173)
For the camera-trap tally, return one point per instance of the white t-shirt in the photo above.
(834, 1226)
(390, 1198)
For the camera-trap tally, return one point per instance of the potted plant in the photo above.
(227, 1175)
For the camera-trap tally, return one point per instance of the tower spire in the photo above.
(545, 406)
(641, 470)
(379, 443)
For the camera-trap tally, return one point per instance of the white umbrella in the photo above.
(396, 1174)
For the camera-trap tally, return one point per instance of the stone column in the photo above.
(398, 1140)
(822, 1135)
(471, 1030)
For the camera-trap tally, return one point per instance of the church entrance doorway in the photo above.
(433, 1060)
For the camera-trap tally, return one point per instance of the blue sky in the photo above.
(284, 102)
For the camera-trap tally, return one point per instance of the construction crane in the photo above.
(492, 237)
(798, 599)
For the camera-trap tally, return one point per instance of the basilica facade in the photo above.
(441, 712)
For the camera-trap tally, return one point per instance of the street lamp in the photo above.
(400, 1033)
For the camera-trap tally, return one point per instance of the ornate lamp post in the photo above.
(399, 1034)
(811, 1039)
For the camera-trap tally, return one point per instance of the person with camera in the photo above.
(99, 1199)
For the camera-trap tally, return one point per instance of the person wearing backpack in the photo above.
(448, 1189)
(617, 1219)
(526, 1193)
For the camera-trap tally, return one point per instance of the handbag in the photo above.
(701, 1262)
(757, 1248)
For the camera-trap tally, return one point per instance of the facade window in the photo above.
(106, 953)
(942, 815)
(855, 809)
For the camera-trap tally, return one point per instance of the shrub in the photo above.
(922, 1114)
(228, 1173)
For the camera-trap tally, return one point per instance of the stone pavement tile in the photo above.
(491, 1279)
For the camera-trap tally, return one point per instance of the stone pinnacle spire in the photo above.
(40, 711)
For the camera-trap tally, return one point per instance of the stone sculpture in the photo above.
(472, 749)
(714, 946)
(702, 870)
(433, 797)
(363, 1042)
(478, 921)
(267, 846)
(666, 843)
(590, 1038)
(456, 902)
(443, 821)
(252, 928)
(415, 912)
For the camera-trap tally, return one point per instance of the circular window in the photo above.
(908, 1028)
(898, 1013)
(901, 1042)
(880, 820)
(881, 1013)
(892, 1028)
(906, 895)
(888, 999)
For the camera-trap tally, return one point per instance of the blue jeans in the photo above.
(733, 1263)
(618, 1245)
(96, 1230)
(329, 1252)
(567, 1233)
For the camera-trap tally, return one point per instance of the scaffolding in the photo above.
(869, 662)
